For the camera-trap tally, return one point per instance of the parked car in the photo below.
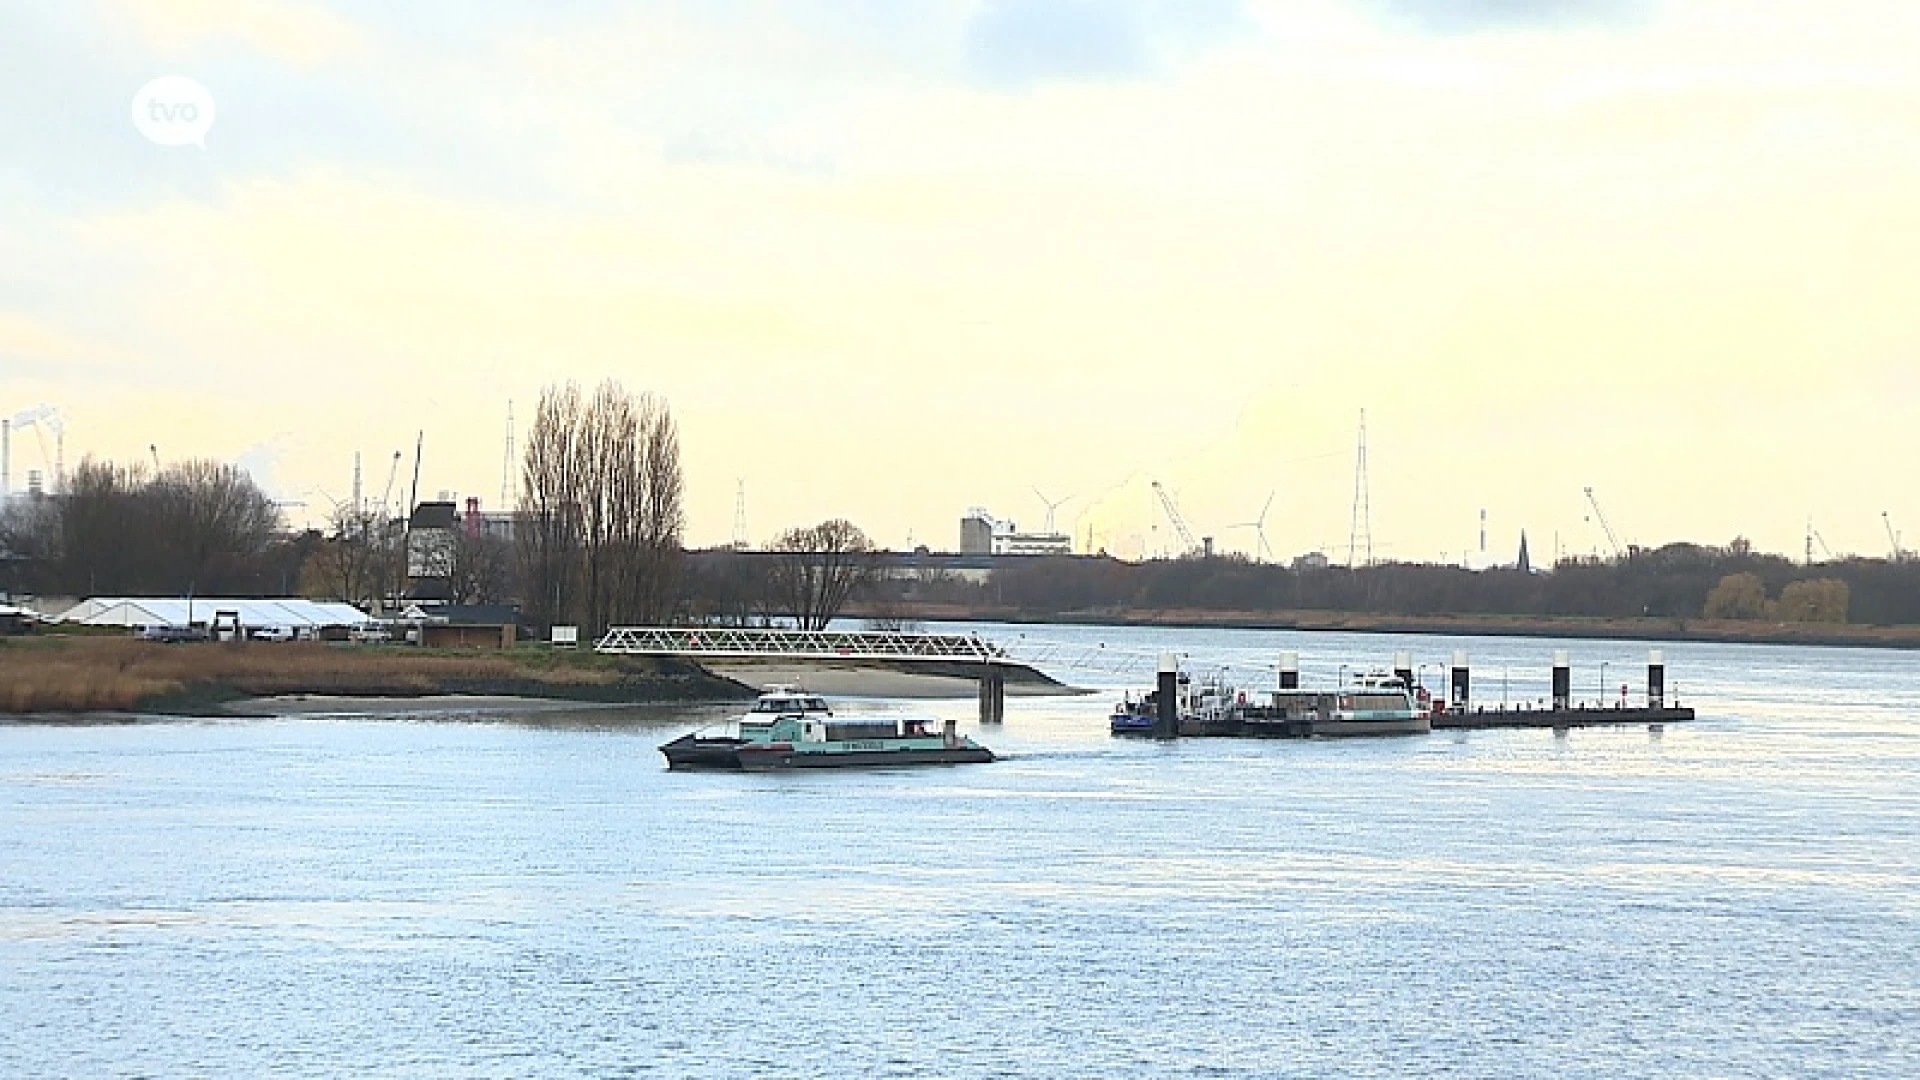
(271, 633)
(369, 633)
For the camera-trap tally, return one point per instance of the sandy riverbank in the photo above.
(92, 675)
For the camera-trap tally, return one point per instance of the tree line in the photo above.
(193, 526)
(598, 541)
(1677, 581)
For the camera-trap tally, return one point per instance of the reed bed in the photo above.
(119, 674)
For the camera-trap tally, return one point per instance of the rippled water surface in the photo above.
(457, 895)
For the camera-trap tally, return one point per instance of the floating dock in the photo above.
(1296, 714)
(1484, 719)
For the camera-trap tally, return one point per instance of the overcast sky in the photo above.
(887, 260)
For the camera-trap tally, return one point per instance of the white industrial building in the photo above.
(983, 534)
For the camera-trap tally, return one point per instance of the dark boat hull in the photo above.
(758, 760)
(690, 752)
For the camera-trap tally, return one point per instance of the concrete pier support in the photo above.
(1562, 681)
(1289, 671)
(1656, 679)
(1166, 720)
(1459, 692)
(993, 695)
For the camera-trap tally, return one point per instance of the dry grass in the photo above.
(108, 674)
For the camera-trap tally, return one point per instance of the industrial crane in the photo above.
(38, 418)
(1179, 523)
(1893, 538)
(1813, 535)
(386, 493)
(1601, 516)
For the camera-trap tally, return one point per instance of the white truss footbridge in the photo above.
(733, 643)
(714, 642)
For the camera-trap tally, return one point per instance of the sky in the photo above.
(888, 259)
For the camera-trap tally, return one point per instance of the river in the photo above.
(450, 893)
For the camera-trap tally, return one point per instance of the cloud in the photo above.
(1465, 16)
(302, 35)
(1021, 42)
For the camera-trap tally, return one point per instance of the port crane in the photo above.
(37, 418)
(1893, 538)
(1173, 514)
(386, 493)
(1601, 516)
(1813, 536)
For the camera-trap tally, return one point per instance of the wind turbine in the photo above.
(1259, 527)
(1051, 505)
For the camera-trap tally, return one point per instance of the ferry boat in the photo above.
(1374, 704)
(792, 729)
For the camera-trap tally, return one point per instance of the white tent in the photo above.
(291, 612)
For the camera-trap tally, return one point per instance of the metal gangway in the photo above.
(735, 643)
(719, 642)
(727, 643)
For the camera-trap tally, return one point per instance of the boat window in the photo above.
(817, 704)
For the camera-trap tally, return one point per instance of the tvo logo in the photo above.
(174, 110)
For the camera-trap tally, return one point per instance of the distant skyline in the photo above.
(890, 260)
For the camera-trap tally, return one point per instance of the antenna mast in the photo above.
(740, 515)
(506, 462)
(1362, 524)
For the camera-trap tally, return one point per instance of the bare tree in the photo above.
(602, 511)
(29, 544)
(352, 561)
(818, 570)
(195, 525)
(548, 534)
(654, 540)
(482, 566)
